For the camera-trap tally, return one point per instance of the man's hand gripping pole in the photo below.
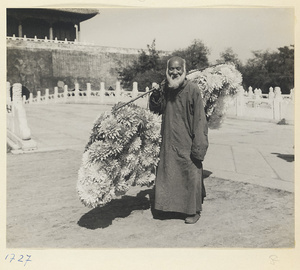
(155, 87)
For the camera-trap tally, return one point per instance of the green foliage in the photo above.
(195, 55)
(229, 56)
(146, 70)
(151, 66)
(269, 69)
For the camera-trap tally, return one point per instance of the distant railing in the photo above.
(255, 105)
(35, 39)
(82, 43)
(91, 96)
(246, 104)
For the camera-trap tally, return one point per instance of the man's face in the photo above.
(175, 69)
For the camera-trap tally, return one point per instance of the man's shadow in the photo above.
(102, 217)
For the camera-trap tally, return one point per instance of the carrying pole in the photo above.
(154, 88)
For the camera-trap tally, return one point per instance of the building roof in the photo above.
(85, 11)
(72, 14)
(82, 13)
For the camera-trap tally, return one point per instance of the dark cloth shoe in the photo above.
(192, 219)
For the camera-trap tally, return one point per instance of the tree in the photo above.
(269, 69)
(195, 55)
(151, 65)
(145, 70)
(229, 56)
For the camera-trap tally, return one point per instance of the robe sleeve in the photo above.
(200, 128)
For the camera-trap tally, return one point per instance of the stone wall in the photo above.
(40, 64)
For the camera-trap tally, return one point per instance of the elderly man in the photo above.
(179, 183)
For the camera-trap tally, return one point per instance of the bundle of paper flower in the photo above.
(218, 85)
(122, 151)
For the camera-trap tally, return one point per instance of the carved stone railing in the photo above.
(255, 105)
(92, 96)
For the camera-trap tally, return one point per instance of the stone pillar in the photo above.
(102, 92)
(65, 93)
(250, 92)
(55, 94)
(135, 90)
(51, 33)
(277, 91)
(271, 93)
(18, 132)
(46, 95)
(76, 92)
(240, 102)
(277, 104)
(79, 38)
(88, 92)
(30, 98)
(118, 92)
(20, 30)
(9, 109)
(8, 97)
(257, 97)
(21, 128)
(17, 93)
(292, 95)
(38, 97)
(76, 32)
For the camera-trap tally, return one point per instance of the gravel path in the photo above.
(44, 211)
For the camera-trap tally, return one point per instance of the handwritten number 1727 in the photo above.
(12, 256)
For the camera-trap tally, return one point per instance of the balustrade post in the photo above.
(38, 97)
(277, 104)
(88, 92)
(8, 97)
(257, 97)
(102, 92)
(55, 94)
(118, 92)
(17, 93)
(292, 95)
(20, 121)
(271, 93)
(47, 96)
(135, 90)
(9, 109)
(76, 92)
(30, 98)
(65, 93)
(250, 92)
(240, 102)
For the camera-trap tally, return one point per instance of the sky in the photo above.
(242, 29)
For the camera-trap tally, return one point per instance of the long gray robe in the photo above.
(179, 183)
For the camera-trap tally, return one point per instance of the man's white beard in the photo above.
(175, 83)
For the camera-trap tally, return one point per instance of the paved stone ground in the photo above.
(249, 182)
